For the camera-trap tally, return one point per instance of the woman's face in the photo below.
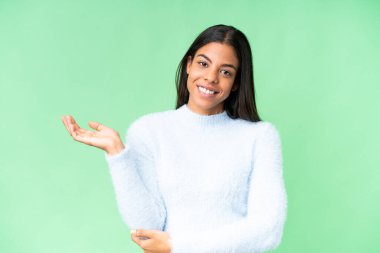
(211, 75)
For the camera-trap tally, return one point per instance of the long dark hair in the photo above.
(240, 103)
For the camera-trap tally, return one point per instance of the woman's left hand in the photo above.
(156, 242)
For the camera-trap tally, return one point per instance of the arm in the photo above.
(262, 228)
(135, 182)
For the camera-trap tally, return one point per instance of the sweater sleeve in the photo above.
(135, 182)
(262, 227)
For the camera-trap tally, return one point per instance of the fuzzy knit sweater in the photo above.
(215, 184)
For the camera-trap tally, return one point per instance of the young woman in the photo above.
(206, 176)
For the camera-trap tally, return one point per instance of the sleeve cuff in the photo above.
(116, 158)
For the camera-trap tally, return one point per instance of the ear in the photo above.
(189, 60)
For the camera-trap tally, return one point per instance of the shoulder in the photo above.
(268, 137)
(263, 134)
(268, 132)
(269, 129)
(266, 141)
(259, 128)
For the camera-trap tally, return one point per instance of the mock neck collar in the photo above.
(201, 121)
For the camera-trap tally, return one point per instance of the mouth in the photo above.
(206, 91)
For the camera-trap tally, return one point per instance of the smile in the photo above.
(206, 91)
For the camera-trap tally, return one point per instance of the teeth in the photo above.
(204, 90)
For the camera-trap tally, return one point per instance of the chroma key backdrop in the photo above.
(316, 70)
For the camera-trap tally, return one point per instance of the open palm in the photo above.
(103, 137)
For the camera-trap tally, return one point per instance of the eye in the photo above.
(202, 63)
(226, 73)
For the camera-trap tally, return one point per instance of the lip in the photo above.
(204, 94)
(209, 88)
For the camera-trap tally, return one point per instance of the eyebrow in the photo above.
(224, 65)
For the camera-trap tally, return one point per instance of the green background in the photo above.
(316, 67)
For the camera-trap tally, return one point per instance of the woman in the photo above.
(207, 176)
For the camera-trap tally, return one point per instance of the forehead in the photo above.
(219, 53)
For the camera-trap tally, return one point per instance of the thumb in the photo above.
(96, 125)
(145, 233)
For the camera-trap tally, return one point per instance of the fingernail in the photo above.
(133, 231)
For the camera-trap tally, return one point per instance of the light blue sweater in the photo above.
(215, 184)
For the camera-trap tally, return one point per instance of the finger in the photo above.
(145, 233)
(82, 138)
(69, 123)
(96, 125)
(75, 125)
(72, 124)
(84, 131)
(143, 244)
(64, 123)
(136, 239)
(72, 120)
(137, 233)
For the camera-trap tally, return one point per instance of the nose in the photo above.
(211, 75)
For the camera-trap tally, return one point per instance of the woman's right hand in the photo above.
(104, 137)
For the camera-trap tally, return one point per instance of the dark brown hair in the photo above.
(240, 103)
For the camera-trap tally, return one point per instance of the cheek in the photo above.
(228, 86)
(189, 83)
(195, 74)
